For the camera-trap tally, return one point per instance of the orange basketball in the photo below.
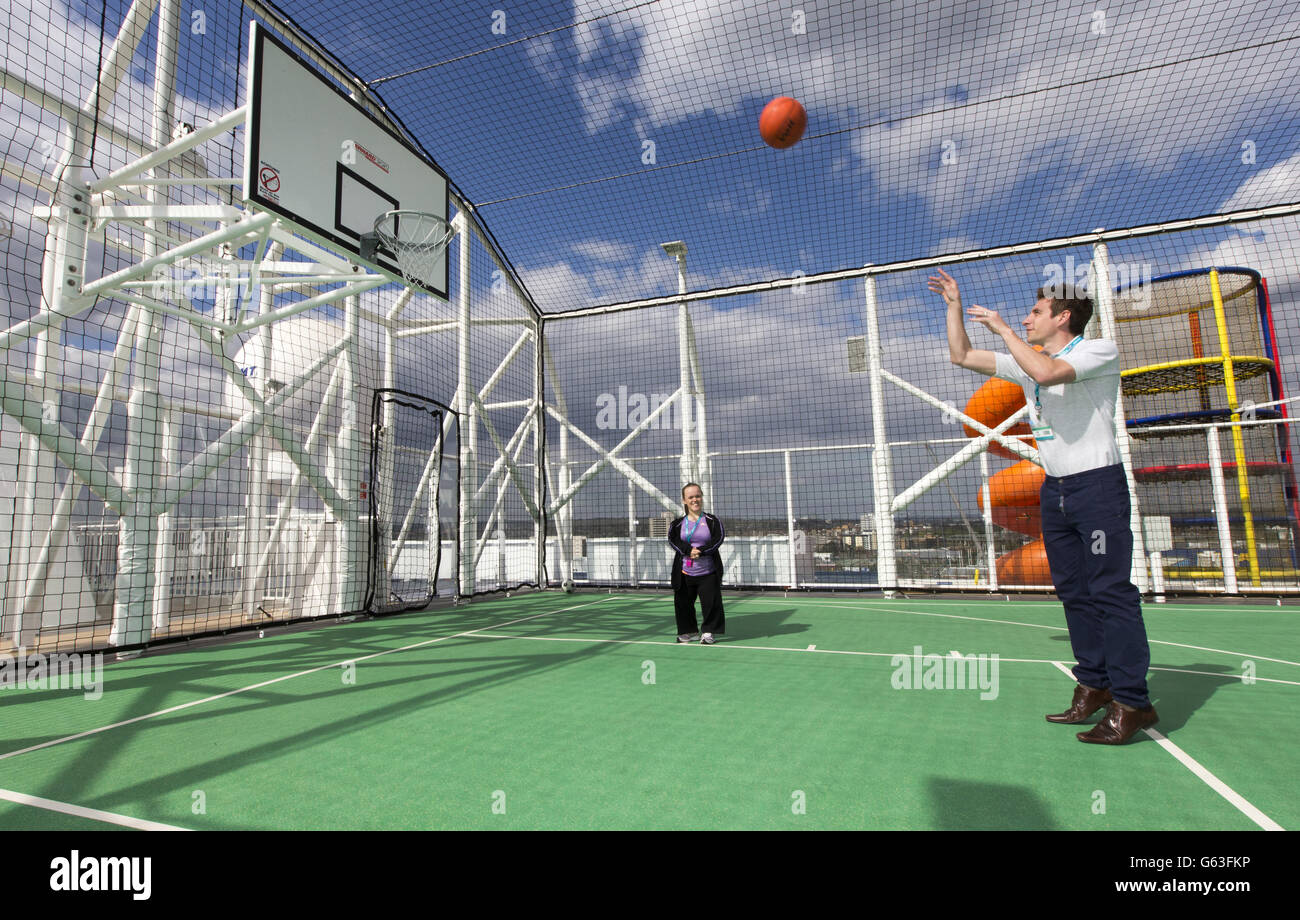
(782, 122)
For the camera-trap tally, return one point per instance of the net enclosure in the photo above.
(221, 409)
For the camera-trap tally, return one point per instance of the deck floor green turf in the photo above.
(579, 711)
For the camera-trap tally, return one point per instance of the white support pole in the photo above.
(564, 513)
(991, 552)
(539, 526)
(495, 527)
(882, 486)
(539, 440)
(143, 533)
(502, 574)
(789, 523)
(563, 519)
(165, 555)
(1158, 577)
(353, 548)
(631, 533)
(63, 262)
(386, 485)
(502, 489)
(1103, 291)
(36, 472)
(704, 462)
(357, 285)
(504, 365)
(468, 440)
(488, 532)
(255, 530)
(433, 541)
(689, 466)
(1226, 553)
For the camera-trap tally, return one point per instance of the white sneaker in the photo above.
(687, 639)
(707, 639)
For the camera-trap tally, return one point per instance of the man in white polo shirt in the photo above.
(1071, 386)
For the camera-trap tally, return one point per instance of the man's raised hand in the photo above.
(946, 287)
(989, 319)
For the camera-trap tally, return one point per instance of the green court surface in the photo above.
(548, 710)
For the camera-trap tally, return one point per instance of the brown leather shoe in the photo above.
(1086, 701)
(1120, 724)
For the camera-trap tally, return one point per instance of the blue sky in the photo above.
(929, 132)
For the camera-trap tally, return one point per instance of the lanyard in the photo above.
(1038, 403)
(691, 533)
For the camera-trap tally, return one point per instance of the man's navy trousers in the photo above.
(1090, 550)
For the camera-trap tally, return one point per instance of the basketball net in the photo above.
(416, 239)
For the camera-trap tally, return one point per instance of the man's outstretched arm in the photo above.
(959, 347)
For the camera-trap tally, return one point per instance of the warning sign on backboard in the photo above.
(268, 181)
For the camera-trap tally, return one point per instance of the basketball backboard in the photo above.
(317, 158)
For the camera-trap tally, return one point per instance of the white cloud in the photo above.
(1279, 183)
(1269, 247)
(980, 73)
(607, 251)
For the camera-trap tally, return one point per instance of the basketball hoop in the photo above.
(416, 239)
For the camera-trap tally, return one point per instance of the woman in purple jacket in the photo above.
(697, 568)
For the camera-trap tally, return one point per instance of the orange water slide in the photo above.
(1013, 492)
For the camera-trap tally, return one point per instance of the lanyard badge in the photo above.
(689, 535)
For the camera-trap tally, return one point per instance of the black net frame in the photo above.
(382, 526)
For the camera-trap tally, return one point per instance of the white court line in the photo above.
(954, 616)
(987, 598)
(1233, 678)
(483, 634)
(94, 814)
(479, 634)
(1234, 798)
(276, 680)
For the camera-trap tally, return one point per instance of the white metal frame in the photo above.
(134, 200)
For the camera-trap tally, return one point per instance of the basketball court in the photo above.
(581, 712)
(355, 360)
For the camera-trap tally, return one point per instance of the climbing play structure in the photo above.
(1205, 414)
